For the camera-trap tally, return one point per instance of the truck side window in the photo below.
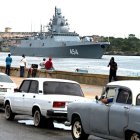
(108, 95)
(138, 100)
(124, 96)
(111, 92)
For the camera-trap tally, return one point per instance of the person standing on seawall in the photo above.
(8, 61)
(22, 65)
(113, 69)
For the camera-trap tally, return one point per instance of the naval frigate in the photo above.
(59, 42)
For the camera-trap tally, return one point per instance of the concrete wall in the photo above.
(83, 78)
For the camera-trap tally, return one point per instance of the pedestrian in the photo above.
(8, 61)
(49, 64)
(42, 64)
(22, 65)
(113, 69)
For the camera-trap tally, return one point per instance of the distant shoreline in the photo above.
(123, 53)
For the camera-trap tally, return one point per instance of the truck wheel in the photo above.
(38, 119)
(77, 130)
(135, 136)
(9, 115)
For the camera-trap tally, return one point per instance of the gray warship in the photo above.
(59, 42)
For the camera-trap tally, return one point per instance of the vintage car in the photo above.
(45, 99)
(6, 86)
(119, 119)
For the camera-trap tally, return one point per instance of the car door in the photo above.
(18, 97)
(30, 96)
(118, 115)
(100, 112)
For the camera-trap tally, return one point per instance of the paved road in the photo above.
(18, 130)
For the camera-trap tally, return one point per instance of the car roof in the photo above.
(133, 85)
(126, 83)
(51, 79)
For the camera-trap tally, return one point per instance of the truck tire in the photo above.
(77, 130)
(9, 115)
(134, 136)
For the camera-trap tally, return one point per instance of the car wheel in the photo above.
(77, 130)
(135, 136)
(38, 118)
(9, 115)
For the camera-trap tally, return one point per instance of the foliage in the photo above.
(124, 46)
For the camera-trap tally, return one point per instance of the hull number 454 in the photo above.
(74, 52)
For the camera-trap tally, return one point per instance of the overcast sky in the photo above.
(116, 18)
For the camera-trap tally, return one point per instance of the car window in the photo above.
(33, 87)
(109, 92)
(62, 88)
(124, 96)
(5, 78)
(25, 86)
(138, 100)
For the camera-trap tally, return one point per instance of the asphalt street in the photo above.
(19, 129)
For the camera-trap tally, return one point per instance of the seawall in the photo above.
(83, 78)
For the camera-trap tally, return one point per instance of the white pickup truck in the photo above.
(118, 119)
(45, 99)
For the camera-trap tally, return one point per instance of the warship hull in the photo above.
(81, 51)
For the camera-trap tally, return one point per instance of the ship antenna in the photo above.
(31, 26)
(41, 28)
(55, 10)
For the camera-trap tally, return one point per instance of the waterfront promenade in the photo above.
(90, 91)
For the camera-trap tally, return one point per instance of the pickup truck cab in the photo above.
(45, 99)
(119, 119)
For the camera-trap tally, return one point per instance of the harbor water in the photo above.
(127, 65)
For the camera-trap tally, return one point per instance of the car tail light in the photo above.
(59, 104)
